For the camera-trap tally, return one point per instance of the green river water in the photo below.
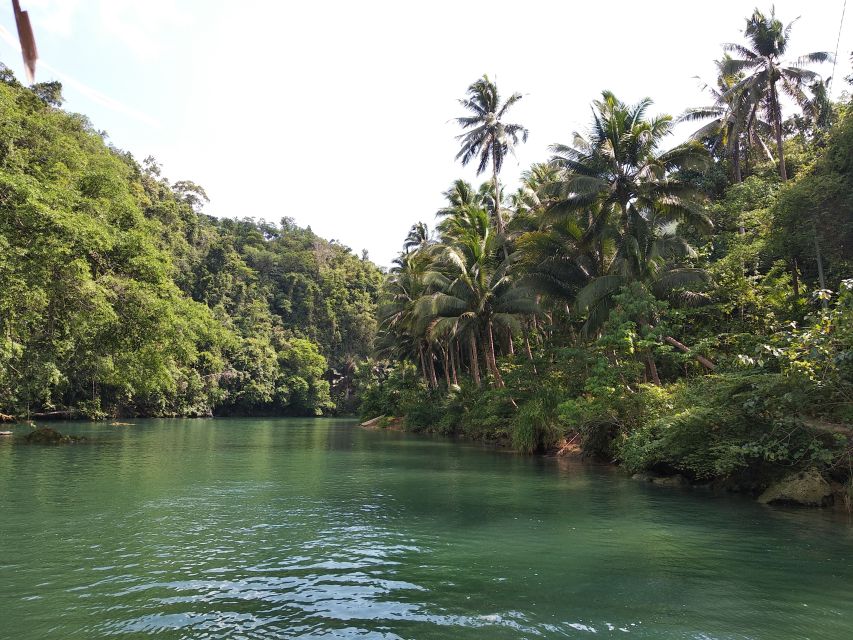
(262, 528)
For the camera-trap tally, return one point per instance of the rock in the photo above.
(661, 481)
(671, 481)
(373, 422)
(46, 435)
(806, 488)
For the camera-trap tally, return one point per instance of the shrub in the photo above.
(730, 426)
(534, 426)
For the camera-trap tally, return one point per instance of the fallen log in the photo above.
(685, 349)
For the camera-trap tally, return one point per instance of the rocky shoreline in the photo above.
(803, 488)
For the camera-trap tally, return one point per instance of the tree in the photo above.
(418, 237)
(734, 125)
(400, 337)
(488, 138)
(615, 177)
(766, 71)
(627, 198)
(49, 92)
(472, 290)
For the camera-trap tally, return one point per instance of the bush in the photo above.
(385, 392)
(423, 412)
(534, 427)
(740, 426)
(605, 417)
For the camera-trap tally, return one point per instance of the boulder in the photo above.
(670, 481)
(676, 480)
(807, 488)
(46, 435)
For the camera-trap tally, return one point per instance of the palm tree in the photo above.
(614, 177)
(473, 292)
(734, 124)
(620, 200)
(761, 61)
(399, 336)
(488, 137)
(459, 196)
(418, 237)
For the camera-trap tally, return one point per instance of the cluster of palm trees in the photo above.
(605, 213)
(752, 81)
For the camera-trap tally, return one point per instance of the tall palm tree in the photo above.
(399, 335)
(487, 136)
(616, 175)
(734, 126)
(761, 60)
(460, 195)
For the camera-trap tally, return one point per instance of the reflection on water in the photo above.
(318, 529)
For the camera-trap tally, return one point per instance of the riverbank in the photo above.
(807, 486)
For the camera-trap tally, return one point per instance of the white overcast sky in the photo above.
(338, 113)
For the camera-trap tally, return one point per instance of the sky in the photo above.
(340, 114)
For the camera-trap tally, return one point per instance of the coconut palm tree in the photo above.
(621, 201)
(766, 72)
(417, 239)
(473, 292)
(460, 195)
(616, 175)
(487, 137)
(734, 124)
(400, 336)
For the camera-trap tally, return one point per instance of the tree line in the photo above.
(119, 296)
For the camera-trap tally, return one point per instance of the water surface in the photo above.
(320, 529)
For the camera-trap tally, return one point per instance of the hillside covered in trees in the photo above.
(676, 307)
(118, 296)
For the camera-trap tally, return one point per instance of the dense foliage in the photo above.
(119, 297)
(681, 308)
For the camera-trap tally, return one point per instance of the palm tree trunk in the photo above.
(453, 347)
(653, 369)
(475, 366)
(445, 352)
(777, 127)
(490, 356)
(433, 381)
(499, 223)
(736, 161)
(529, 353)
(423, 363)
(498, 219)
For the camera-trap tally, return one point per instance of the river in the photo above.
(299, 528)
